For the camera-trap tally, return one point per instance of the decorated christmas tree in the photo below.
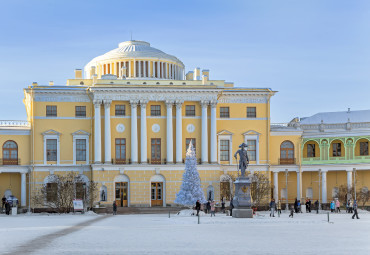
(190, 190)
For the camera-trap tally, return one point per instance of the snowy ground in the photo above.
(158, 234)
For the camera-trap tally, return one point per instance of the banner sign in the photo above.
(78, 205)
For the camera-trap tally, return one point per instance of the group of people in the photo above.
(210, 207)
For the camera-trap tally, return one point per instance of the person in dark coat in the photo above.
(7, 208)
(296, 205)
(317, 206)
(272, 207)
(355, 210)
(197, 207)
(114, 208)
(3, 200)
(208, 206)
(291, 211)
(222, 205)
(231, 206)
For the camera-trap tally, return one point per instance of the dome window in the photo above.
(128, 82)
(157, 83)
(82, 83)
(144, 83)
(184, 83)
(171, 83)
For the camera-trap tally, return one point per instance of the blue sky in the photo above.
(315, 53)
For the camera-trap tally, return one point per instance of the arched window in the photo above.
(10, 153)
(286, 153)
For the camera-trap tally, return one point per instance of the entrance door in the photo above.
(121, 194)
(157, 193)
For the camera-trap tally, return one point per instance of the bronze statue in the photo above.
(243, 158)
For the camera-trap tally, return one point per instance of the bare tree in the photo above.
(60, 191)
(363, 196)
(344, 193)
(260, 188)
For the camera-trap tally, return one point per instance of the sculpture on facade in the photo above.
(243, 158)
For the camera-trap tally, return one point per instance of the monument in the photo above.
(242, 200)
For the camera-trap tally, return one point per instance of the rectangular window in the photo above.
(190, 110)
(120, 110)
(80, 111)
(337, 150)
(51, 192)
(224, 112)
(364, 148)
(251, 112)
(251, 151)
(311, 150)
(81, 149)
(120, 151)
(224, 150)
(80, 190)
(193, 141)
(51, 111)
(155, 110)
(156, 150)
(51, 149)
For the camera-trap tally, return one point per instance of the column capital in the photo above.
(204, 103)
(213, 103)
(134, 103)
(107, 103)
(349, 170)
(97, 103)
(143, 103)
(179, 103)
(169, 103)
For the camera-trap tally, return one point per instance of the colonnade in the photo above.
(143, 132)
(143, 69)
(322, 184)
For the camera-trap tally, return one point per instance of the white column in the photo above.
(349, 179)
(107, 132)
(143, 141)
(139, 64)
(145, 68)
(276, 185)
(204, 105)
(169, 105)
(324, 192)
(134, 147)
(23, 189)
(134, 69)
(97, 132)
(179, 132)
(213, 133)
(102, 70)
(120, 73)
(298, 184)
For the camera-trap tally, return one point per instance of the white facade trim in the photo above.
(225, 137)
(81, 135)
(253, 135)
(51, 136)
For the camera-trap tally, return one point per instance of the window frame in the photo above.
(225, 114)
(49, 151)
(366, 149)
(81, 150)
(249, 150)
(120, 143)
(120, 112)
(80, 111)
(155, 110)
(225, 157)
(154, 157)
(250, 112)
(51, 111)
(313, 147)
(190, 112)
(9, 159)
(338, 150)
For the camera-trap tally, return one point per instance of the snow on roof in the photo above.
(337, 117)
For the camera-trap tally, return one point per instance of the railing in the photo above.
(286, 161)
(157, 161)
(276, 125)
(117, 161)
(337, 158)
(199, 161)
(14, 123)
(5, 161)
(311, 159)
(362, 157)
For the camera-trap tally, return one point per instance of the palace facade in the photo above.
(126, 120)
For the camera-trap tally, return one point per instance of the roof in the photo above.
(337, 117)
(134, 49)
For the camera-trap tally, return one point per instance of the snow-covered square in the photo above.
(306, 233)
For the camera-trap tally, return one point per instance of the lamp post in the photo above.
(286, 188)
(84, 187)
(354, 181)
(320, 187)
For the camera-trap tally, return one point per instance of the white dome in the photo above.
(134, 50)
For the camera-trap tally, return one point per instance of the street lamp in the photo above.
(354, 181)
(84, 188)
(320, 173)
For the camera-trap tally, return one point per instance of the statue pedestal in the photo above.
(242, 200)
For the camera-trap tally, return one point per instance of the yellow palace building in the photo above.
(126, 120)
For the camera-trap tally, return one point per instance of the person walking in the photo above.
(208, 206)
(337, 205)
(278, 206)
(3, 200)
(222, 205)
(350, 206)
(197, 207)
(272, 208)
(231, 206)
(299, 206)
(296, 205)
(317, 206)
(355, 210)
(7, 208)
(332, 206)
(291, 211)
(114, 208)
(213, 208)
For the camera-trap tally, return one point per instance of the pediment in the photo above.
(80, 132)
(225, 132)
(51, 132)
(251, 132)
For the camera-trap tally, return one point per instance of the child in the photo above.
(213, 208)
